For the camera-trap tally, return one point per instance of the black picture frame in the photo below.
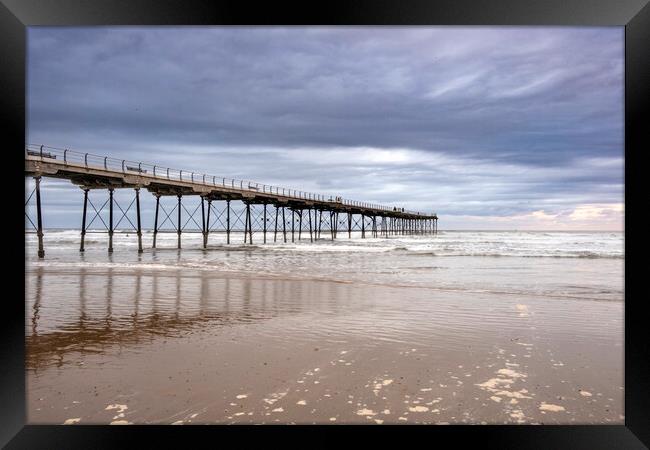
(16, 15)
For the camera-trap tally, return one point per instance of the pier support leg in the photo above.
(203, 221)
(265, 223)
(207, 224)
(293, 222)
(83, 221)
(320, 221)
(39, 218)
(349, 225)
(336, 224)
(110, 221)
(155, 221)
(284, 226)
(363, 226)
(300, 224)
(311, 236)
(137, 209)
(250, 224)
(275, 233)
(335, 216)
(246, 224)
(227, 221)
(178, 230)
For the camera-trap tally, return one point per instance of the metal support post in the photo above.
(39, 218)
(250, 222)
(284, 226)
(179, 221)
(265, 223)
(349, 225)
(275, 233)
(207, 224)
(320, 221)
(227, 221)
(137, 209)
(155, 220)
(110, 221)
(83, 221)
(203, 220)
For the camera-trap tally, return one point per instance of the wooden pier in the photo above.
(92, 172)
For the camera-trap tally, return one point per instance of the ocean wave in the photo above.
(586, 255)
(605, 245)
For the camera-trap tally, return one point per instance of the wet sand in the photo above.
(201, 347)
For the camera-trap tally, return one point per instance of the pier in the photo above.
(274, 212)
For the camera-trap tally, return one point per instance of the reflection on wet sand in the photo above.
(119, 344)
(146, 305)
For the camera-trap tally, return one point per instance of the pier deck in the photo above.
(102, 172)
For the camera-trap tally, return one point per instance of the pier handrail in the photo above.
(124, 166)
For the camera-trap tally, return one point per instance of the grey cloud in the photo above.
(507, 106)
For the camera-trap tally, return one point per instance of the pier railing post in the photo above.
(155, 220)
(83, 221)
(137, 208)
(39, 216)
(110, 221)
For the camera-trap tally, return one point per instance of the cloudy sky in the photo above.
(491, 127)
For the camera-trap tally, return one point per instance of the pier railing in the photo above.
(89, 160)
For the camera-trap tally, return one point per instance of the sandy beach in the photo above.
(162, 346)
